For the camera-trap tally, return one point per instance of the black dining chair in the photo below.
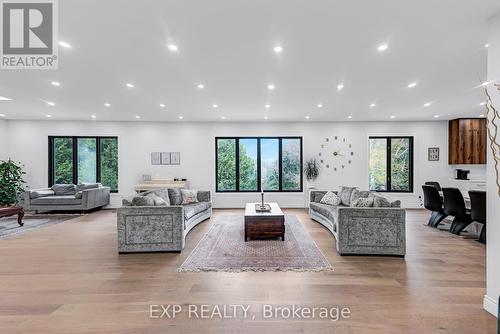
(454, 205)
(478, 210)
(433, 202)
(435, 184)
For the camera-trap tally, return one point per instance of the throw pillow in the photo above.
(86, 186)
(157, 200)
(41, 193)
(189, 196)
(396, 204)
(345, 195)
(330, 198)
(64, 189)
(175, 196)
(142, 201)
(357, 194)
(318, 195)
(381, 202)
(162, 193)
(363, 202)
(79, 195)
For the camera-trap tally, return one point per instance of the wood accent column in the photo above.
(467, 141)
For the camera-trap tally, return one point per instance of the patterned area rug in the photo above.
(9, 226)
(223, 249)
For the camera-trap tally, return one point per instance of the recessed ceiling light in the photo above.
(340, 87)
(50, 103)
(3, 98)
(412, 85)
(484, 84)
(482, 115)
(319, 105)
(350, 116)
(267, 106)
(107, 105)
(162, 105)
(271, 87)
(137, 116)
(55, 83)
(487, 45)
(372, 105)
(2, 115)
(223, 117)
(278, 49)
(383, 47)
(307, 117)
(392, 116)
(428, 104)
(482, 103)
(265, 117)
(93, 116)
(173, 47)
(129, 85)
(180, 117)
(215, 106)
(48, 116)
(64, 44)
(436, 116)
(200, 86)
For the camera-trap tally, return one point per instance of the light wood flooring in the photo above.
(68, 278)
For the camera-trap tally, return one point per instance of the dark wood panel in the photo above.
(467, 141)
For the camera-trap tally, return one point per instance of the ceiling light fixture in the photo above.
(482, 115)
(180, 117)
(271, 87)
(278, 49)
(412, 85)
(129, 85)
(55, 83)
(267, 106)
(3, 98)
(393, 117)
(382, 47)
(223, 117)
(350, 116)
(482, 103)
(200, 86)
(173, 47)
(487, 45)
(93, 116)
(137, 117)
(50, 103)
(436, 116)
(107, 105)
(428, 104)
(48, 116)
(319, 105)
(372, 105)
(65, 45)
(265, 117)
(215, 106)
(162, 105)
(340, 87)
(307, 117)
(2, 115)
(484, 84)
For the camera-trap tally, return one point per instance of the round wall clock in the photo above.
(336, 153)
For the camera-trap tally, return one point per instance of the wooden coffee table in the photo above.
(7, 211)
(260, 225)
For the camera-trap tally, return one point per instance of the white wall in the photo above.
(493, 205)
(3, 139)
(196, 143)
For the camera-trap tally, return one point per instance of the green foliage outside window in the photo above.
(63, 160)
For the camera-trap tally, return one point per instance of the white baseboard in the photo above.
(490, 305)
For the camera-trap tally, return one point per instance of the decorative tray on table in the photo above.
(260, 208)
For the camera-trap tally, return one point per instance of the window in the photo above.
(391, 164)
(250, 164)
(84, 160)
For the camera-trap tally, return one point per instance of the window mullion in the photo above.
(237, 163)
(389, 165)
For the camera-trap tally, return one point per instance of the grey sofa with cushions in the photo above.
(362, 230)
(67, 197)
(160, 228)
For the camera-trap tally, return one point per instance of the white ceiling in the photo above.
(228, 46)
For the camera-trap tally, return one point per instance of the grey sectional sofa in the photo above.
(362, 230)
(67, 197)
(160, 228)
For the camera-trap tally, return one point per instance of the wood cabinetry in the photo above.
(467, 141)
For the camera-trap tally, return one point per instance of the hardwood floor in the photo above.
(68, 278)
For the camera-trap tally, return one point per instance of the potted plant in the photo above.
(11, 182)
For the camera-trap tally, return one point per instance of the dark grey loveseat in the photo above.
(160, 228)
(362, 231)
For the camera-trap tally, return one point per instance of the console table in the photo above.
(159, 184)
(7, 211)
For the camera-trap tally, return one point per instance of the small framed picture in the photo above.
(433, 153)
(175, 158)
(155, 158)
(165, 158)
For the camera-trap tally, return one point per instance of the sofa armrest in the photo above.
(204, 195)
(96, 197)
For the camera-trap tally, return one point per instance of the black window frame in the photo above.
(75, 157)
(389, 164)
(259, 173)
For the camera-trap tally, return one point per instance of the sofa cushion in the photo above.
(175, 196)
(326, 210)
(363, 202)
(318, 195)
(330, 198)
(163, 193)
(142, 201)
(41, 193)
(64, 189)
(192, 209)
(189, 196)
(396, 204)
(381, 202)
(345, 195)
(79, 194)
(357, 194)
(87, 186)
(158, 201)
(57, 200)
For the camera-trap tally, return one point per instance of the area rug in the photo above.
(9, 226)
(223, 249)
